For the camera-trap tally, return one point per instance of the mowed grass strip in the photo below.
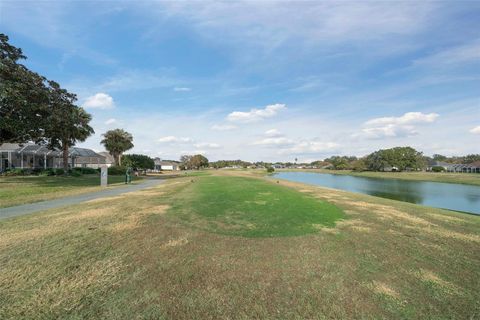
(252, 207)
(29, 189)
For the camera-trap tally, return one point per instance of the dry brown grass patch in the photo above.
(385, 289)
(175, 242)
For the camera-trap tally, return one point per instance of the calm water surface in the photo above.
(434, 194)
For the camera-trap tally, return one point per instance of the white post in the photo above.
(21, 154)
(45, 161)
(104, 176)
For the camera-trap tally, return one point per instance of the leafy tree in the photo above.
(185, 162)
(341, 162)
(439, 157)
(198, 161)
(138, 161)
(471, 158)
(116, 142)
(67, 123)
(23, 98)
(401, 157)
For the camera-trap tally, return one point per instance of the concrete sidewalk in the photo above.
(66, 201)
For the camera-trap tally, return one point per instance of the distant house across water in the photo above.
(473, 167)
(34, 156)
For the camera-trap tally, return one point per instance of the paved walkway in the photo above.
(66, 201)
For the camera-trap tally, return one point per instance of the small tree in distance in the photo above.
(116, 142)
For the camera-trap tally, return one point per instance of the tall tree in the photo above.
(67, 123)
(116, 142)
(198, 161)
(138, 161)
(23, 98)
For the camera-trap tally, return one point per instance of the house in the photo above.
(34, 156)
(161, 165)
(109, 160)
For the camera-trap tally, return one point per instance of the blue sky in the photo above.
(263, 80)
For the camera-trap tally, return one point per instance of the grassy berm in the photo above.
(233, 245)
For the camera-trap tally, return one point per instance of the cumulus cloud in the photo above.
(207, 145)
(173, 139)
(273, 133)
(475, 130)
(256, 114)
(392, 127)
(111, 121)
(99, 101)
(182, 89)
(223, 127)
(281, 142)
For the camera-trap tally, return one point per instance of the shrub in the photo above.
(14, 172)
(117, 170)
(89, 171)
(75, 173)
(438, 169)
(270, 169)
(59, 171)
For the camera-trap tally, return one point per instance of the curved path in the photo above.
(66, 201)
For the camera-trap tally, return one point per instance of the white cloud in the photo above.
(223, 127)
(111, 121)
(173, 139)
(207, 145)
(182, 89)
(475, 130)
(99, 101)
(274, 133)
(306, 147)
(275, 142)
(256, 114)
(402, 126)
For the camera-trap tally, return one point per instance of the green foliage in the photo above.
(341, 162)
(270, 169)
(138, 161)
(116, 142)
(75, 173)
(117, 170)
(194, 162)
(23, 98)
(438, 169)
(230, 163)
(59, 171)
(400, 157)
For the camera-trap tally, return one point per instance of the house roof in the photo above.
(36, 149)
(108, 157)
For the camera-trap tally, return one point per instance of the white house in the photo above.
(161, 165)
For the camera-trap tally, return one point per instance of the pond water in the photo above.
(451, 196)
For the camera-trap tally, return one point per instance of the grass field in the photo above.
(146, 255)
(448, 177)
(28, 189)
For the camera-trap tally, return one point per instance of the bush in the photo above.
(89, 171)
(117, 170)
(270, 169)
(15, 172)
(438, 169)
(59, 171)
(75, 173)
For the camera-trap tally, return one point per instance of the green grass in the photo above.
(130, 258)
(447, 177)
(252, 208)
(28, 189)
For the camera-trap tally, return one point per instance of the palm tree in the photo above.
(116, 142)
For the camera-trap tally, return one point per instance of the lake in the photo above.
(451, 196)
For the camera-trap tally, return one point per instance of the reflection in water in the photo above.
(458, 197)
